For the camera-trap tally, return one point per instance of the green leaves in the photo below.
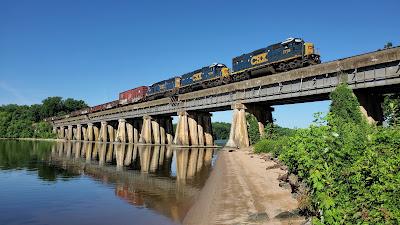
(26, 121)
(353, 168)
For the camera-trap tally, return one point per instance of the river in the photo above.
(96, 183)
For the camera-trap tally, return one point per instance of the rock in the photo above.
(258, 217)
(283, 167)
(293, 181)
(285, 185)
(288, 214)
(283, 177)
(272, 167)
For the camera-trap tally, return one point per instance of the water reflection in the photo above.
(157, 177)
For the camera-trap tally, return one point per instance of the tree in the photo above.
(20, 121)
(391, 109)
(254, 133)
(344, 106)
(71, 105)
(51, 106)
(221, 130)
(388, 45)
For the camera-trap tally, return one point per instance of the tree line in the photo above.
(23, 121)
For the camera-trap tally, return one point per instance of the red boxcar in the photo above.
(108, 105)
(133, 95)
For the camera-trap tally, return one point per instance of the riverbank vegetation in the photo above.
(350, 169)
(22, 121)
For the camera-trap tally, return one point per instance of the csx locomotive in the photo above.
(290, 54)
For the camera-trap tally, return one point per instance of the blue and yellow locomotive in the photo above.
(208, 76)
(287, 55)
(164, 88)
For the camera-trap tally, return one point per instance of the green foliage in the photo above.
(221, 130)
(273, 145)
(391, 109)
(388, 45)
(254, 133)
(344, 106)
(56, 106)
(353, 169)
(26, 121)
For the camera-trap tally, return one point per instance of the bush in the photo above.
(271, 145)
(353, 169)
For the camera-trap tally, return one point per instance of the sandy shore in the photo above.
(241, 191)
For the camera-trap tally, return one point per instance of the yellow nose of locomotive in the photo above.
(308, 48)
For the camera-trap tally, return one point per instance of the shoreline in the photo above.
(33, 139)
(241, 190)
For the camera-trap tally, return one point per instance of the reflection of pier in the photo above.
(142, 174)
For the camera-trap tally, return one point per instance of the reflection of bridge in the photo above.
(167, 195)
(370, 75)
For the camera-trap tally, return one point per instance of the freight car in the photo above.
(133, 95)
(287, 55)
(105, 106)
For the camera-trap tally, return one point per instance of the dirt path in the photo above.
(241, 191)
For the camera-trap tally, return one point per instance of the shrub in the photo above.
(352, 169)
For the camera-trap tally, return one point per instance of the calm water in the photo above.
(95, 183)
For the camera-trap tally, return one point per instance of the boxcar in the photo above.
(105, 106)
(133, 95)
(207, 76)
(290, 54)
(80, 112)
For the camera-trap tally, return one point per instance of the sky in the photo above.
(92, 50)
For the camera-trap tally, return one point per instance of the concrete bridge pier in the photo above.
(137, 128)
(129, 130)
(69, 133)
(103, 132)
(169, 130)
(238, 136)
(155, 126)
(182, 129)
(84, 133)
(61, 132)
(146, 133)
(162, 123)
(78, 132)
(207, 128)
(121, 131)
(194, 129)
(96, 132)
(111, 132)
(371, 105)
(89, 132)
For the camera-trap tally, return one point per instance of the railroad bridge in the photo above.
(370, 75)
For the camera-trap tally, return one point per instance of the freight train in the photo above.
(290, 54)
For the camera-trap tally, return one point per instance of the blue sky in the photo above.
(93, 50)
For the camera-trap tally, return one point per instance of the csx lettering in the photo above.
(260, 58)
(196, 77)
